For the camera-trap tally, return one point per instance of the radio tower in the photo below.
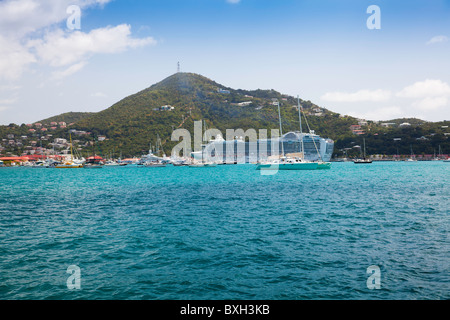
(178, 67)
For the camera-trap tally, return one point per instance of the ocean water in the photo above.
(226, 233)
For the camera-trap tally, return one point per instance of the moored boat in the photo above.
(154, 164)
(294, 163)
(286, 163)
(363, 160)
(70, 164)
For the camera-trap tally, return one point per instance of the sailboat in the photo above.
(364, 160)
(322, 165)
(289, 163)
(438, 157)
(70, 164)
(203, 163)
(413, 156)
(155, 161)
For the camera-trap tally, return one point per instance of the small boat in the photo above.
(111, 163)
(94, 162)
(92, 166)
(363, 160)
(154, 164)
(203, 165)
(68, 165)
(413, 157)
(286, 163)
(72, 164)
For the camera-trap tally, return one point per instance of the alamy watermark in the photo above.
(74, 280)
(241, 146)
(374, 21)
(73, 22)
(374, 280)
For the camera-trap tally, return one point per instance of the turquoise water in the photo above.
(226, 232)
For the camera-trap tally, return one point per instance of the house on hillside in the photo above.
(223, 91)
(164, 108)
(362, 122)
(244, 104)
(356, 129)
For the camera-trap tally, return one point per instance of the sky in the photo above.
(377, 63)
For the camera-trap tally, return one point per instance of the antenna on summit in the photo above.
(178, 68)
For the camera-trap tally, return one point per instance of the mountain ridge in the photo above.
(135, 121)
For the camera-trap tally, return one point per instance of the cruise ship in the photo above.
(241, 152)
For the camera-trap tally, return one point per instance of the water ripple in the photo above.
(228, 233)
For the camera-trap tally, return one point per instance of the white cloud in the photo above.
(437, 39)
(427, 88)
(377, 114)
(14, 59)
(61, 49)
(21, 17)
(430, 95)
(61, 74)
(431, 103)
(360, 96)
(233, 1)
(3, 108)
(29, 34)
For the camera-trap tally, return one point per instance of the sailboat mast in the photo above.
(281, 129)
(157, 145)
(364, 149)
(301, 128)
(93, 151)
(71, 147)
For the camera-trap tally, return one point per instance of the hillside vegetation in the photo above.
(133, 123)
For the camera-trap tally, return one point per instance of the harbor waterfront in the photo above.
(226, 233)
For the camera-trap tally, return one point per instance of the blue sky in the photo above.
(321, 50)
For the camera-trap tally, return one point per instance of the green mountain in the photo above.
(69, 117)
(133, 123)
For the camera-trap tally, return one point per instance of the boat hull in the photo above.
(203, 165)
(289, 166)
(362, 162)
(324, 166)
(75, 166)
